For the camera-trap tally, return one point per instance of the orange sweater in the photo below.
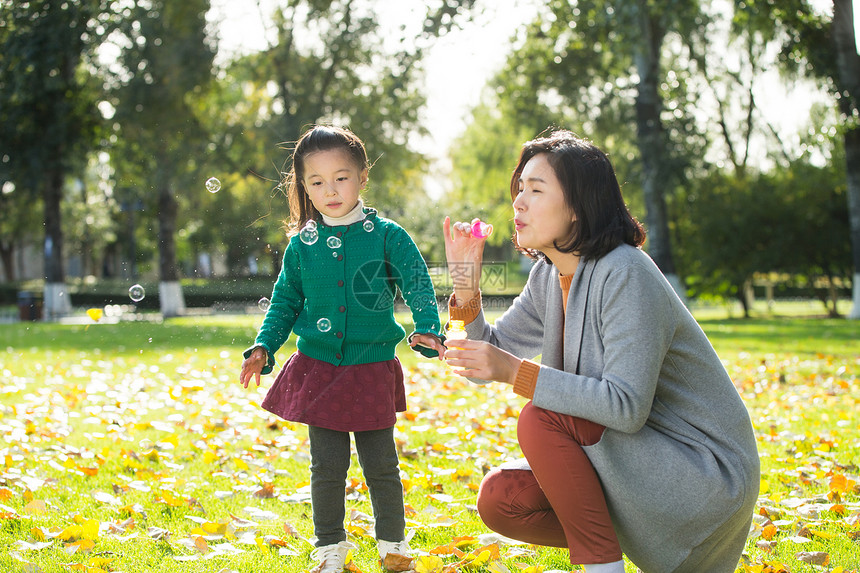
(527, 373)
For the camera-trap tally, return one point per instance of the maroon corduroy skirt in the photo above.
(351, 398)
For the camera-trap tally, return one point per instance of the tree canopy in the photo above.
(127, 114)
(651, 84)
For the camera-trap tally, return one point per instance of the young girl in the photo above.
(336, 292)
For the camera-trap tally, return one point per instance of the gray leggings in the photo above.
(330, 459)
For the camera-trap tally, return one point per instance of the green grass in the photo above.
(146, 421)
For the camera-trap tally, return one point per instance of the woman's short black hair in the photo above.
(591, 190)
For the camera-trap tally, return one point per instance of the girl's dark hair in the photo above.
(317, 138)
(590, 189)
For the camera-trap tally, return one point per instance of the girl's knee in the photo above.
(325, 475)
(381, 473)
(330, 468)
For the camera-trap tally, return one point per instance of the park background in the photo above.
(733, 128)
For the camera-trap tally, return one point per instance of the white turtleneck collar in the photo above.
(354, 216)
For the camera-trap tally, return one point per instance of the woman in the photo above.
(635, 438)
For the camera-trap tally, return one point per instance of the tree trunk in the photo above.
(169, 290)
(652, 146)
(833, 307)
(743, 299)
(56, 299)
(848, 64)
(852, 168)
(7, 252)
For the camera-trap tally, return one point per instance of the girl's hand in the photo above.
(429, 341)
(464, 252)
(253, 366)
(479, 359)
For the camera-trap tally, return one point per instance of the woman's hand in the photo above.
(479, 359)
(429, 341)
(464, 252)
(253, 366)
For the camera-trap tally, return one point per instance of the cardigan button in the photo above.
(339, 335)
(340, 283)
(338, 356)
(340, 257)
(340, 233)
(342, 309)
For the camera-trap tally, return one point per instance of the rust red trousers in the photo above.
(560, 501)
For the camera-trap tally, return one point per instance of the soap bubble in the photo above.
(368, 225)
(264, 304)
(324, 325)
(136, 293)
(213, 185)
(480, 229)
(333, 243)
(309, 233)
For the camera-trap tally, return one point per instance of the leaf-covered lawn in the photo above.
(132, 447)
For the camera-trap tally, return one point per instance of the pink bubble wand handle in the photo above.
(480, 229)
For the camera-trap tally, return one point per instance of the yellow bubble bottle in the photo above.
(456, 331)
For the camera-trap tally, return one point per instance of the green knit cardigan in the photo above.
(338, 293)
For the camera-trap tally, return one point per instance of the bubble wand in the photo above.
(480, 229)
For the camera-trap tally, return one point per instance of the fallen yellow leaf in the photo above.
(82, 545)
(70, 533)
(823, 534)
(429, 564)
(37, 506)
(100, 562)
(841, 484)
(497, 567)
(90, 529)
(213, 528)
(171, 499)
(201, 545)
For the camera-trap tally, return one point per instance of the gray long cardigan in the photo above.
(678, 460)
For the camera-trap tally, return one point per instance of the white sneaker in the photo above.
(331, 557)
(398, 547)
